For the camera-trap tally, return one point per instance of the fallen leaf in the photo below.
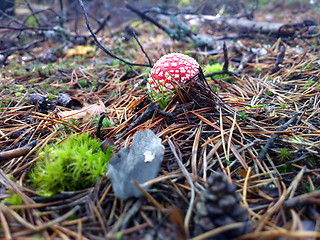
(91, 110)
(80, 50)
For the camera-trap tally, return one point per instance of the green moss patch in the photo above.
(74, 164)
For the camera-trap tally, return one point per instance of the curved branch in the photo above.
(103, 48)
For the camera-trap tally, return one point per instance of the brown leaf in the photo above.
(91, 110)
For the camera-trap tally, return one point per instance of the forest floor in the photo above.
(258, 126)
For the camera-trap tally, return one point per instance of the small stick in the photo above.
(244, 60)
(263, 152)
(98, 134)
(279, 60)
(17, 152)
(219, 230)
(303, 199)
(226, 59)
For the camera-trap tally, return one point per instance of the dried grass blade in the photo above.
(72, 233)
(187, 175)
(95, 211)
(206, 120)
(205, 164)
(213, 151)
(273, 209)
(130, 230)
(222, 136)
(294, 184)
(275, 234)
(239, 157)
(5, 226)
(148, 196)
(195, 149)
(230, 135)
(38, 228)
(160, 179)
(214, 138)
(105, 193)
(216, 231)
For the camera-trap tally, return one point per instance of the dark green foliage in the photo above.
(15, 199)
(286, 168)
(217, 67)
(284, 155)
(243, 116)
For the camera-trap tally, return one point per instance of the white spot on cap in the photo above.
(172, 67)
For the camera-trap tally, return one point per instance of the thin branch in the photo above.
(302, 200)
(102, 24)
(32, 13)
(146, 17)
(24, 47)
(142, 49)
(103, 48)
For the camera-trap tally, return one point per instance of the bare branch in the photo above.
(142, 49)
(103, 48)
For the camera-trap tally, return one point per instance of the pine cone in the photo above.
(219, 205)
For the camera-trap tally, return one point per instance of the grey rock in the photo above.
(141, 161)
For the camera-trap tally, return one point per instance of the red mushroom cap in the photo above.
(171, 67)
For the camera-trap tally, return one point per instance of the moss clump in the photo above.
(15, 199)
(217, 67)
(72, 165)
(284, 155)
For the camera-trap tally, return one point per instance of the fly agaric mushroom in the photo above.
(169, 68)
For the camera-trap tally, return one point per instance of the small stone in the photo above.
(141, 161)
